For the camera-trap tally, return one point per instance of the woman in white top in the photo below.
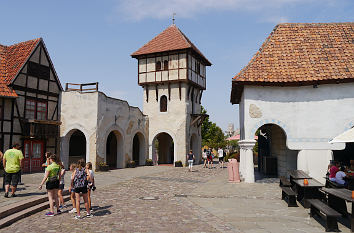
(91, 185)
(205, 158)
(340, 175)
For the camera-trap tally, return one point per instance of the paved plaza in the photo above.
(199, 201)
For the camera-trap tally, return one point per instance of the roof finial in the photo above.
(173, 18)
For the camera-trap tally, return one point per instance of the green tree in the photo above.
(212, 135)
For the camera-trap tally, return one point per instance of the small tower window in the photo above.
(158, 65)
(163, 104)
(198, 68)
(165, 65)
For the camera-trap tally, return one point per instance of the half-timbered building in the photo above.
(29, 101)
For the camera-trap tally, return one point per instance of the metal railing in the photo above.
(83, 87)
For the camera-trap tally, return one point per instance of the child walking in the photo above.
(79, 182)
(91, 184)
(72, 190)
(61, 186)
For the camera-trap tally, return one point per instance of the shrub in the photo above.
(131, 164)
(233, 155)
(149, 162)
(178, 163)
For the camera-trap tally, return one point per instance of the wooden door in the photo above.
(33, 155)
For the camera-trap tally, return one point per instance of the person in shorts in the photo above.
(190, 159)
(12, 161)
(221, 157)
(210, 159)
(52, 177)
(91, 184)
(72, 190)
(61, 186)
(79, 182)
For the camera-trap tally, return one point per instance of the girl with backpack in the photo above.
(79, 182)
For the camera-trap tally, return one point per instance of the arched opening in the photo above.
(114, 149)
(163, 148)
(194, 145)
(158, 66)
(163, 104)
(271, 154)
(77, 146)
(139, 149)
(165, 65)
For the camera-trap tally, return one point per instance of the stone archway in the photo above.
(114, 149)
(138, 152)
(163, 147)
(77, 146)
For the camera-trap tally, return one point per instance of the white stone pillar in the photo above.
(246, 160)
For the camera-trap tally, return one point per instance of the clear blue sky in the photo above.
(91, 40)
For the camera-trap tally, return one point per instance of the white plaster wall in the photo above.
(175, 121)
(78, 111)
(309, 116)
(96, 115)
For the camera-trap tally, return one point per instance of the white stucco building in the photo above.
(298, 90)
(98, 129)
(172, 73)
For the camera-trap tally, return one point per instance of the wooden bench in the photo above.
(288, 195)
(320, 208)
(332, 184)
(284, 182)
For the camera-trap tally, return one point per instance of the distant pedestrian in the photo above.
(205, 158)
(190, 158)
(221, 157)
(210, 159)
(72, 190)
(52, 177)
(79, 182)
(91, 183)
(12, 161)
(61, 186)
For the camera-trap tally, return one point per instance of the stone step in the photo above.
(10, 219)
(21, 205)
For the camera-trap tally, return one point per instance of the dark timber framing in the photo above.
(39, 88)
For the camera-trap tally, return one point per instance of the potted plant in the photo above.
(178, 163)
(149, 162)
(103, 166)
(131, 164)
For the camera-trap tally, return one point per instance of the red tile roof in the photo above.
(169, 40)
(12, 58)
(303, 53)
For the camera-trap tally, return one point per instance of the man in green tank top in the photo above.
(12, 162)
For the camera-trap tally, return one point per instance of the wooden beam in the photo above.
(12, 122)
(20, 88)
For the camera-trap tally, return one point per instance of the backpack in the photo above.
(208, 152)
(80, 179)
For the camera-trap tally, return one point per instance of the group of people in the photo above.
(208, 156)
(337, 173)
(82, 182)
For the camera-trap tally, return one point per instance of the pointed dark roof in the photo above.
(169, 40)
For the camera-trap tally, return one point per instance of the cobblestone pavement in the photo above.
(199, 201)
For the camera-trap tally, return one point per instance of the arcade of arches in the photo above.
(163, 148)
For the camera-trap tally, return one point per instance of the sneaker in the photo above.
(58, 212)
(89, 215)
(73, 210)
(77, 217)
(61, 207)
(6, 195)
(13, 195)
(49, 214)
(64, 206)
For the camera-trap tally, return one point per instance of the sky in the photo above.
(91, 40)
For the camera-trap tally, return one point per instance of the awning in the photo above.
(347, 136)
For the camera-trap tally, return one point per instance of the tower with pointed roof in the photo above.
(172, 73)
